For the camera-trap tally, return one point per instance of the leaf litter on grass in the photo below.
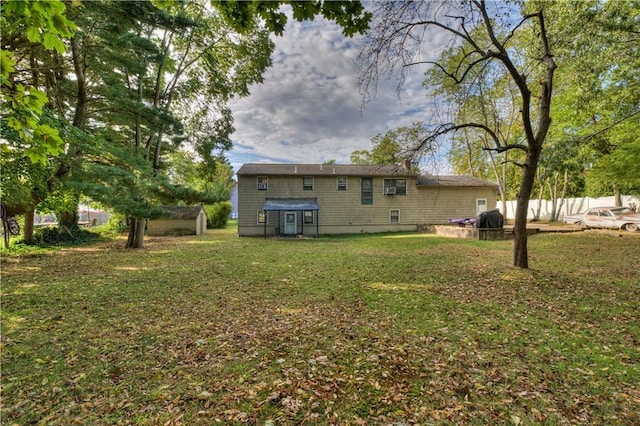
(318, 332)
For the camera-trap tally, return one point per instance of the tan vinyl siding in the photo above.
(342, 212)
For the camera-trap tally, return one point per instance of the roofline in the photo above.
(301, 169)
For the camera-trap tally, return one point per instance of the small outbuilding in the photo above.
(180, 220)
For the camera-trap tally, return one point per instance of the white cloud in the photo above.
(309, 109)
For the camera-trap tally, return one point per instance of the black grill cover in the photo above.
(492, 219)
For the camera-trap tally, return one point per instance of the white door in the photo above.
(290, 223)
(481, 206)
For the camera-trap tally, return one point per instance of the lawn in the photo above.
(367, 329)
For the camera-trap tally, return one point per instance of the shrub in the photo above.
(116, 224)
(218, 214)
(62, 236)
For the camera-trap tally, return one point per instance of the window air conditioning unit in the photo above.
(262, 185)
(390, 190)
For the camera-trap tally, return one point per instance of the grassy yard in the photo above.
(366, 329)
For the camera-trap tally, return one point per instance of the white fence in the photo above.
(570, 206)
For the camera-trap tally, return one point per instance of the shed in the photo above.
(180, 220)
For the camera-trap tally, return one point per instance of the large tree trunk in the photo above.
(617, 198)
(141, 225)
(27, 231)
(520, 253)
(132, 232)
(5, 233)
(80, 115)
(135, 238)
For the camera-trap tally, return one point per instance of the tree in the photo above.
(146, 83)
(598, 105)
(349, 14)
(482, 38)
(393, 147)
(193, 61)
(471, 151)
(32, 33)
(139, 82)
(28, 27)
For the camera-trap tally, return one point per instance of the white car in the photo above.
(606, 217)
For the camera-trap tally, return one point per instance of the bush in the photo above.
(218, 214)
(116, 224)
(61, 236)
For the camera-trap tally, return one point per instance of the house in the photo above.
(313, 199)
(180, 220)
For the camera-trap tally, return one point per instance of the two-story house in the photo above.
(313, 199)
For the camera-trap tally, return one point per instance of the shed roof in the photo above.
(324, 169)
(290, 204)
(431, 180)
(182, 212)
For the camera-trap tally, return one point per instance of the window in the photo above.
(481, 206)
(307, 183)
(263, 217)
(262, 183)
(394, 216)
(367, 190)
(342, 183)
(308, 216)
(395, 187)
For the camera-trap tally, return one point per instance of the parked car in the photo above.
(606, 217)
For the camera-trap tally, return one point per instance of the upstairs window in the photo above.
(342, 183)
(367, 190)
(262, 183)
(307, 183)
(395, 187)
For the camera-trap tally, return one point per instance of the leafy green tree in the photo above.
(621, 168)
(393, 147)
(147, 79)
(28, 27)
(152, 80)
(482, 39)
(349, 14)
(598, 103)
(214, 177)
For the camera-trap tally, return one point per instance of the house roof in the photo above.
(290, 204)
(254, 169)
(182, 212)
(324, 169)
(463, 180)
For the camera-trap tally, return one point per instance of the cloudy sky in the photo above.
(309, 109)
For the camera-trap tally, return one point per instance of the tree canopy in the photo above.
(393, 147)
(517, 77)
(111, 98)
(29, 26)
(482, 55)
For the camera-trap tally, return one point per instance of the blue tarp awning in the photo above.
(289, 204)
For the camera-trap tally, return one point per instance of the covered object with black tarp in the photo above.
(491, 219)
